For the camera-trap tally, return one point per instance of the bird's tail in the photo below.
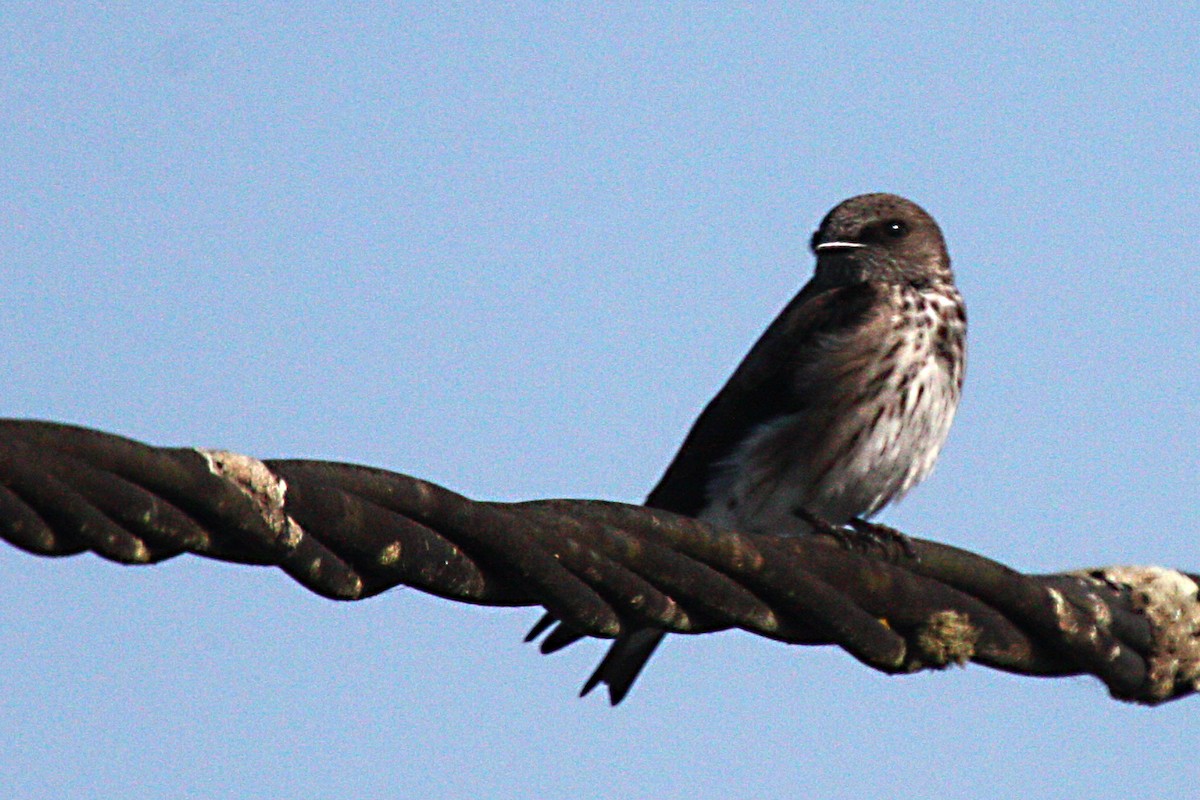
(624, 662)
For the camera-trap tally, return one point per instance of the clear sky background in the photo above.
(515, 251)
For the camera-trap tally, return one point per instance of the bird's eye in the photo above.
(895, 229)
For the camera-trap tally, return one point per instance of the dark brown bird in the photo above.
(840, 408)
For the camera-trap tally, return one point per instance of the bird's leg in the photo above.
(884, 535)
(861, 535)
(844, 536)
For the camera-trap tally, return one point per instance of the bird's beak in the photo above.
(826, 246)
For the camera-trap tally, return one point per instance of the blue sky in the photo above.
(515, 250)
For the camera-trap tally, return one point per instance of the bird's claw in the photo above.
(863, 536)
(883, 535)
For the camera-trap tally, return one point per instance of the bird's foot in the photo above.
(863, 536)
(884, 536)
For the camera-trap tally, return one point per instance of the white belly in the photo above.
(866, 454)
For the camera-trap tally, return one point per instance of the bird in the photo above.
(840, 408)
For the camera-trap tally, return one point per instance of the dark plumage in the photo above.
(840, 408)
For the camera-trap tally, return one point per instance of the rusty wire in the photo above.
(348, 532)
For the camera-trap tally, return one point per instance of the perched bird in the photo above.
(839, 409)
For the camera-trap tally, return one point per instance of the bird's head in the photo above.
(880, 237)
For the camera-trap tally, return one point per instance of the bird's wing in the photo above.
(763, 387)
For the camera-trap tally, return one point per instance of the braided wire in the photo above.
(348, 532)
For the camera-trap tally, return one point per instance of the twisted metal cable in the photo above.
(347, 532)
